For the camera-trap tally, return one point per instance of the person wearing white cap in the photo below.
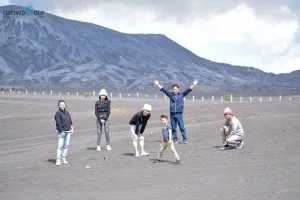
(137, 126)
(102, 112)
(232, 131)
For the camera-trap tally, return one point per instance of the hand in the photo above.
(102, 121)
(71, 131)
(170, 142)
(156, 82)
(195, 82)
(62, 134)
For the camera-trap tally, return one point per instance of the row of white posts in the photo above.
(230, 98)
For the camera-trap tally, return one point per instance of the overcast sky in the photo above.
(260, 33)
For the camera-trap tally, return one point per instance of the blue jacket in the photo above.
(176, 101)
(63, 120)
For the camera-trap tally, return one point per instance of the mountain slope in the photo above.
(50, 51)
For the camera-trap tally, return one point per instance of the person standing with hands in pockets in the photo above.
(64, 130)
(176, 108)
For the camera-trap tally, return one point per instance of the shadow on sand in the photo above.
(162, 161)
(53, 161)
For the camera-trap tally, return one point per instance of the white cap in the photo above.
(103, 92)
(147, 107)
(228, 111)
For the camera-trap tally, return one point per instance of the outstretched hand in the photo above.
(195, 82)
(156, 82)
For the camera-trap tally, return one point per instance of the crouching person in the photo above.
(137, 126)
(167, 139)
(232, 131)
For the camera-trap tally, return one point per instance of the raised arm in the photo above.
(156, 82)
(187, 91)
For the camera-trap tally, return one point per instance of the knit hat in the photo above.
(103, 92)
(228, 111)
(147, 107)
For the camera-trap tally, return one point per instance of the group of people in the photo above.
(231, 132)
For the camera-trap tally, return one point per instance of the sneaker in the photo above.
(65, 161)
(58, 162)
(98, 148)
(224, 147)
(137, 154)
(239, 145)
(175, 141)
(158, 159)
(185, 142)
(143, 153)
(108, 148)
(177, 161)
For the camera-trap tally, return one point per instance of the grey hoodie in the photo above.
(234, 126)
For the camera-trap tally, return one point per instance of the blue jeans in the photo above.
(177, 118)
(62, 144)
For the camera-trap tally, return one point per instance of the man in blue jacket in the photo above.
(176, 108)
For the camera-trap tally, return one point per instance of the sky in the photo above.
(264, 34)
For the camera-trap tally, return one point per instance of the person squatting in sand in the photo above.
(232, 131)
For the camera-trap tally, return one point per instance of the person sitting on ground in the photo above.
(232, 131)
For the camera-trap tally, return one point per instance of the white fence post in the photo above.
(111, 95)
(212, 98)
(77, 93)
(9, 91)
(193, 98)
(231, 98)
(59, 93)
(94, 93)
(202, 99)
(68, 93)
(222, 99)
(137, 95)
(26, 91)
(250, 99)
(43, 93)
(241, 99)
(155, 96)
(260, 99)
(34, 92)
(18, 91)
(270, 99)
(280, 98)
(51, 92)
(120, 95)
(128, 94)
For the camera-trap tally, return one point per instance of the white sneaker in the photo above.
(137, 154)
(65, 161)
(143, 153)
(98, 148)
(58, 162)
(240, 144)
(108, 148)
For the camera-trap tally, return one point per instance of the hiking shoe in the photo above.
(64, 160)
(58, 162)
(239, 145)
(98, 148)
(143, 153)
(177, 161)
(137, 154)
(108, 148)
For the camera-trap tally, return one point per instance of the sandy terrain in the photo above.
(268, 167)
